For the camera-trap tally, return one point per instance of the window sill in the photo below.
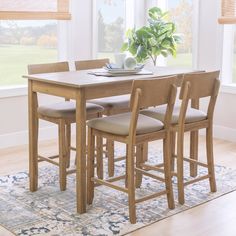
(13, 91)
(228, 88)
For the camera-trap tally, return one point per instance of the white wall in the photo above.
(77, 44)
(14, 121)
(210, 39)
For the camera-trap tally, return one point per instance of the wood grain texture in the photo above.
(196, 86)
(148, 92)
(91, 64)
(83, 79)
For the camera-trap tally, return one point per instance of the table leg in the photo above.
(33, 137)
(81, 151)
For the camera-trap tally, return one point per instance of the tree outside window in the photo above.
(23, 43)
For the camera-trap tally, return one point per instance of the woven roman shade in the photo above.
(34, 10)
(228, 12)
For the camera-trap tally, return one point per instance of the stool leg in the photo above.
(99, 157)
(90, 167)
(68, 143)
(167, 168)
(210, 158)
(180, 167)
(111, 163)
(172, 158)
(193, 152)
(62, 155)
(131, 186)
(33, 138)
(145, 152)
(141, 157)
(126, 167)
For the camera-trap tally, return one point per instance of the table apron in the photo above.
(107, 90)
(91, 92)
(54, 89)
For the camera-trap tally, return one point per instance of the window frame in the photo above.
(195, 31)
(228, 56)
(128, 24)
(228, 59)
(22, 90)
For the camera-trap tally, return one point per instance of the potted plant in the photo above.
(155, 39)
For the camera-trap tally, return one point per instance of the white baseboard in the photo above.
(21, 138)
(226, 133)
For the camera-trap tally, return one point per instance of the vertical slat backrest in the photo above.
(91, 64)
(201, 84)
(48, 68)
(155, 91)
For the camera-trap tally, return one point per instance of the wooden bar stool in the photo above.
(187, 119)
(112, 105)
(62, 114)
(135, 129)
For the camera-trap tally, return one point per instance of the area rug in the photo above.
(52, 212)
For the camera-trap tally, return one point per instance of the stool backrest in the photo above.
(48, 68)
(152, 92)
(91, 64)
(201, 85)
(155, 91)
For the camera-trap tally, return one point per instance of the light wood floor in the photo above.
(214, 218)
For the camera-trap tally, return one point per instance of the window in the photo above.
(112, 18)
(23, 43)
(229, 55)
(228, 19)
(181, 12)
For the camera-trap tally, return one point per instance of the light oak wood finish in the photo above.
(67, 84)
(200, 85)
(145, 93)
(109, 151)
(63, 150)
(64, 127)
(91, 64)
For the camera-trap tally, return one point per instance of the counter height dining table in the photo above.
(79, 86)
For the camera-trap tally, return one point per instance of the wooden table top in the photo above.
(80, 79)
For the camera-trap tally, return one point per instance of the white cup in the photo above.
(130, 63)
(119, 59)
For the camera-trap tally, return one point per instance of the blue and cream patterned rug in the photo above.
(51, 212)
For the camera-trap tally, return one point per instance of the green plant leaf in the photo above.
(164, 53)
(124, 47)
(157, 38)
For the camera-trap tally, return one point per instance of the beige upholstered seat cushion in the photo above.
(192, 115)
(66, 109)
(118, 102)
(119, 124)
